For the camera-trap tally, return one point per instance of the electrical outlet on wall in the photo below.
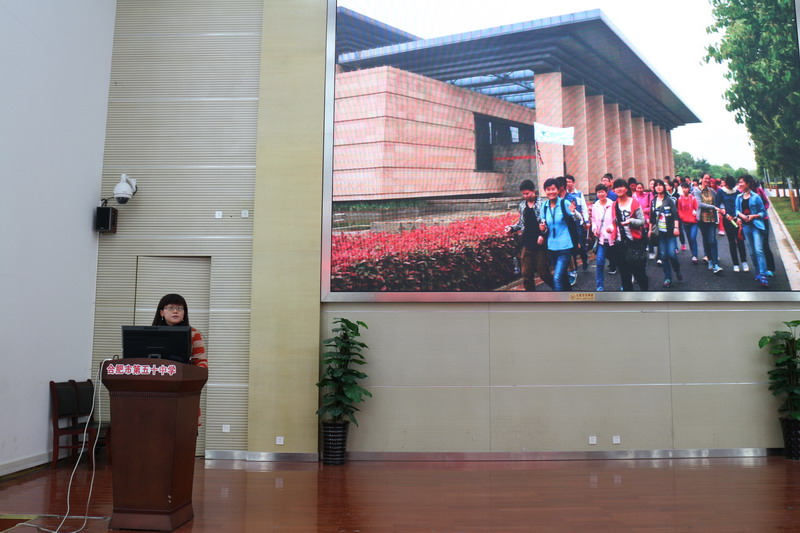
(279, 440)
(592, 439)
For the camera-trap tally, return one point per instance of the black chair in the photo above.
(64, 403)
(85, 390)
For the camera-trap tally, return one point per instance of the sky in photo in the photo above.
(669, 36)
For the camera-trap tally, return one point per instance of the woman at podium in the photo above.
(173, 311)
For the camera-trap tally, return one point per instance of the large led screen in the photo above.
(578, 150)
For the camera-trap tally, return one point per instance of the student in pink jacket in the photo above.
(687, 212)
(602, 219)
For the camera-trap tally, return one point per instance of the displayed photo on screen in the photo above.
(583, 150)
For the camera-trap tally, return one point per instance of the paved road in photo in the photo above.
(699, 277)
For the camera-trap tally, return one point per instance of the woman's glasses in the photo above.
(171, 308)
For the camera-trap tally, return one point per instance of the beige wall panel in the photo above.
(683, 359)
(118, 270)
(227, 401)
(149, 133)
(195, 66)
(426, 351)
(414, 419)
(189, 277)
(530, 348)
(284, 357)
(225, 327)
(157, 275)
(157, 16)
(562, 418)
(182, 202)
(182, 121)
(725, 352)
(726, 416)
(228, 347)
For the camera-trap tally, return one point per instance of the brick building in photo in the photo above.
(453, 116)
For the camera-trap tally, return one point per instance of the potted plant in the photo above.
(785, 383)
(339, 387)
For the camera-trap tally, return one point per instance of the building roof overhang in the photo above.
(503, 61)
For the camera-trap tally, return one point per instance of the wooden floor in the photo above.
(753, 495)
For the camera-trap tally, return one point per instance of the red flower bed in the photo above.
(466, 255)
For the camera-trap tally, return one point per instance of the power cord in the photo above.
(77, 462)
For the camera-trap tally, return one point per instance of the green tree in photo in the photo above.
(758, 45)
(684, 163)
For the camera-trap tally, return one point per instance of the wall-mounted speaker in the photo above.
(106, 220)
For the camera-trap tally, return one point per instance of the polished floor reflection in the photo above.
(753, 495)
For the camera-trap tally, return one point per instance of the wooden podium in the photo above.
(154, 407)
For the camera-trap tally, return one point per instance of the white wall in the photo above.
(55, 60)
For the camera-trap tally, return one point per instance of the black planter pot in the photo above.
(334, 442)
(791, 438)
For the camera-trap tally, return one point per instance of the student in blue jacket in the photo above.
(750, 211)
(560, 232)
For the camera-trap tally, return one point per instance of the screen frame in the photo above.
(326, 295)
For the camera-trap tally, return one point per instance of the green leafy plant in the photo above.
(785, 377)
(339, 382)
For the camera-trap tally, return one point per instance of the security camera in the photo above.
(125, 189)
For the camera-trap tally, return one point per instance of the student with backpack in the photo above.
(630, 248)
(559, 223)
(533, 255)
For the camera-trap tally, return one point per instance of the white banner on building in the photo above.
(550, 134)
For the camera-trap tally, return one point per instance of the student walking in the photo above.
(555, 224)
(687, 212)
(750, 210)
(707, 222)
(630, 246)
(602, 220)
(767, 250)
(533, 255)
(664, 229)
(726, 202)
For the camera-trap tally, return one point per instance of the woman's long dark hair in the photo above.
(660, 182)
(171, 299)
